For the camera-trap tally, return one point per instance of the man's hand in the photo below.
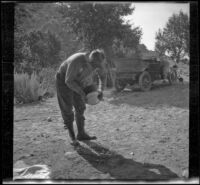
(100, 95)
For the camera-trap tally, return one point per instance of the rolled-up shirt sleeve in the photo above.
(70, 77)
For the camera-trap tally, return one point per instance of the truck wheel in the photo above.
(119, 86)
(145, 82)
(172, 77)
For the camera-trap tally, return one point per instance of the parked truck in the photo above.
(140, 71)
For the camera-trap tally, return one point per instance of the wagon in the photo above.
(140, 71)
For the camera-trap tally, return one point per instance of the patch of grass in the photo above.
(27, 88)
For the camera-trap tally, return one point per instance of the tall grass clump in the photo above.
(27, 88)
(47, 76)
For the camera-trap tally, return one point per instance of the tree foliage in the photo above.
(37, 50)
(174, 38)
(98, 25)
(41, 39)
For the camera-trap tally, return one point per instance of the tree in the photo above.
(45, 46)
(97, 25)
(127, 45)
(174, 38)
(142, 48)
(41, 38)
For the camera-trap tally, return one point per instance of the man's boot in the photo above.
(82, 135)
(70, 128)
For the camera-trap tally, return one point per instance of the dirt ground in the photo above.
(140, 135)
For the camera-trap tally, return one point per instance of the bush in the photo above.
(47, 77)
(36, 50)
(27, 88)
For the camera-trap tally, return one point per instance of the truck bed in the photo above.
(129, 65)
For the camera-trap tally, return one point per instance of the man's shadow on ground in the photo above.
(118, 167)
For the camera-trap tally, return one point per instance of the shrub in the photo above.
(27, 88)
(47, 77)
(35, 50)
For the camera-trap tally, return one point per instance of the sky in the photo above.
(152, 16)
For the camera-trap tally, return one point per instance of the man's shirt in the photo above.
(77, 73)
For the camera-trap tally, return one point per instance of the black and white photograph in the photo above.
(101, 91)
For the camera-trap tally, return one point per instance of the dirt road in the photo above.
(141, 135)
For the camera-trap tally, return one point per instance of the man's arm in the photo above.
(101, 79)
(101, 83)
(71, 73)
